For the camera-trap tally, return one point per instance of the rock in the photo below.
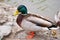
(4, 31)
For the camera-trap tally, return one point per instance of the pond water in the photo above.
(46, 8)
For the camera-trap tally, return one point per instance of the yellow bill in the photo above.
(16, 13)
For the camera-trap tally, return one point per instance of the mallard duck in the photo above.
(31, 22)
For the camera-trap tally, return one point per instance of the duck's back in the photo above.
(38, 20)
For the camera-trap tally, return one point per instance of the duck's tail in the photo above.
(52, 26)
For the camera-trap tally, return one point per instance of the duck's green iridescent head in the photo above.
(22, 9)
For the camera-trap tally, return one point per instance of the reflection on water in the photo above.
(1, 0)
(46, 8)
